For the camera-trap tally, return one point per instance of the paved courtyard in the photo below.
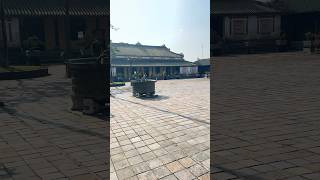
(265, 124)
(40, 138)
(162, 138)
(265, 118)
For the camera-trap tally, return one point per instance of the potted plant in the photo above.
(33, 47)
(308, 42)
(33, 43)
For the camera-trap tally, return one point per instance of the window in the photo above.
(265, 25)
(239, 26)
(168, 70)
(177, 70)
(120, 70)
(78, 28)
(157, 70)
(33, 26)
(8, 30)
(146, 70)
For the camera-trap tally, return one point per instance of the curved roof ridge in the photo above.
(144, 50)
(241, 7)
(143, 45)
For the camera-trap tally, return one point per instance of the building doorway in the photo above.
(32, 26)
(217, 25)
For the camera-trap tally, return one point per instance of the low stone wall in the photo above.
(24, 74)
(243, 47)
(180, 76)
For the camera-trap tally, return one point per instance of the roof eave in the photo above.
(145, 57)
(246, 13)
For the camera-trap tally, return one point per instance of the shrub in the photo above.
(309, 36)
(33, 43)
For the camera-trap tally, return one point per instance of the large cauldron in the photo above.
(89, 83)
(143, 87)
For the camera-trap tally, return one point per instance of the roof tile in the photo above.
(222, 7)
(134, 50)
(55, 7)
(142, 55)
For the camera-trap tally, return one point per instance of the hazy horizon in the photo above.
(183, 26)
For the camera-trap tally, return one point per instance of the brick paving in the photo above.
(265, 117)
(40, 138)
(162, 138)
(264, 125)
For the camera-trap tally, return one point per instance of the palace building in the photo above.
(238, 25)
(46, 20)
(156, 62)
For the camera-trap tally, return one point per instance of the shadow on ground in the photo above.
(165, 111)
(23, 116)
(154, 98)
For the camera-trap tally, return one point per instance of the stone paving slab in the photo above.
(166, 137)
(40, 138)
(265, 116)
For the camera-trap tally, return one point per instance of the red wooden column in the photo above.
(4, 35)
(67, 29)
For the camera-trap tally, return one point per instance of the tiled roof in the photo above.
(225, 7)
(144, 55)
(203, 62)
(138, 50)
(301, 6)
(55, 7)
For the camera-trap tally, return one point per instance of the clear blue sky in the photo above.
(182, 25)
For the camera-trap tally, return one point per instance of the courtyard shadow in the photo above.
(237, 174)
(166, 111)
(105, 115)
(23, 117)
(154, 98)
(26, 92)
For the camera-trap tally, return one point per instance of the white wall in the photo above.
(189, 70)
(13, 25)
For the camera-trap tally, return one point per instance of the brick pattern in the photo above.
(40, 138)
(265, 117)
(162, 138)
